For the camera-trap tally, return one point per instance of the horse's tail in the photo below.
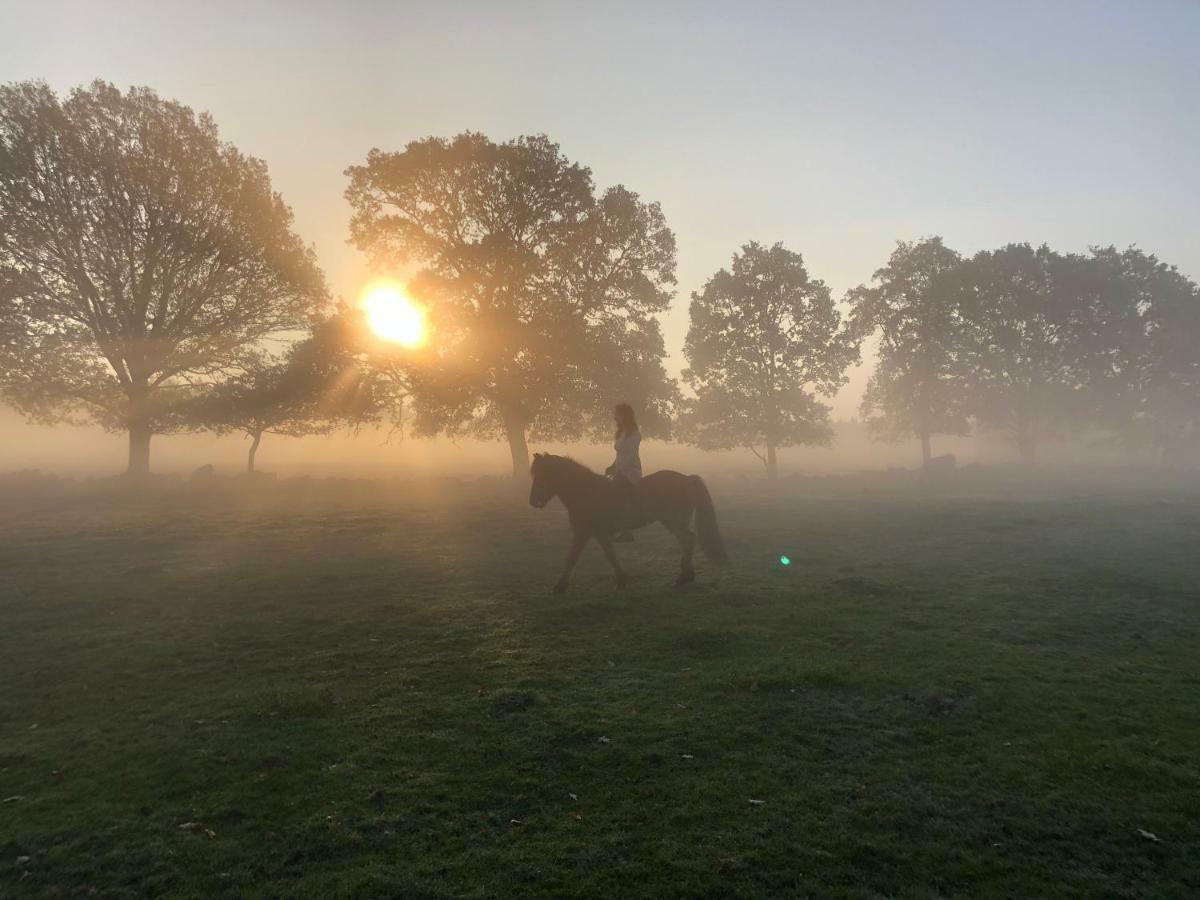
(706, 523)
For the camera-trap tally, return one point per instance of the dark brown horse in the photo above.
(597, 507)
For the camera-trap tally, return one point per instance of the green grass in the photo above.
(350, 690)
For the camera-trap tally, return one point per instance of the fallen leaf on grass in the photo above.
(1149, 835)
(21, 860)
(576, 815)
(200, 829)
(574, 797)
(515, 822)
(689, 756)
(758, 802)
(604, 740)
(15, 798)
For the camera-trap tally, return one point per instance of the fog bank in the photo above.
(81, 451)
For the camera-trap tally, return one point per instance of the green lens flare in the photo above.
(785, 560)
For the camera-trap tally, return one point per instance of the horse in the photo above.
(597, 507)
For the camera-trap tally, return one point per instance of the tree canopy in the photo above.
(1146, 388)
(138, 254)
(542, 294)
(916, 389)
(1034, 335)
(764, 341)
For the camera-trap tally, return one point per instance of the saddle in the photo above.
(630, 514)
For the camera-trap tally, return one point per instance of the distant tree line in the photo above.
(1034, 343)
(151, 282)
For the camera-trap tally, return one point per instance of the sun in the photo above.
(393, 315)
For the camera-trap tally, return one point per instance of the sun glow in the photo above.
(393, 315)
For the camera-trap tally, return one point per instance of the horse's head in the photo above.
(543, 489)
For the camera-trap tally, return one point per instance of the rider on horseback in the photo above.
(626, 470)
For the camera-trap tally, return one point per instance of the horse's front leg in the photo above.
(606, 544)
(578, 542)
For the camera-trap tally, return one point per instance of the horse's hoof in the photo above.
(560, 587)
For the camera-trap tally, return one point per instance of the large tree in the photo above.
(1035, 332)
(1146, 388)
(138, 252)
(916, 389)
(543, 295)
(764, 340)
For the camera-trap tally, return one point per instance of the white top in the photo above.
(628, 463)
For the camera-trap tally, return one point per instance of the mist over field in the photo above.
(378, 453)
(668, 450)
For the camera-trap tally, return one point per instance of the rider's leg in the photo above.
(624, 535)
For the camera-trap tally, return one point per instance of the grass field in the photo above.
(346, 689)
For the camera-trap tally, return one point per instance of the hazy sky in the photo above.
(837, 128)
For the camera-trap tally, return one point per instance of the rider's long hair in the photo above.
(626, 421)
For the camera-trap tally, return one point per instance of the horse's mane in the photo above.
(563, 466)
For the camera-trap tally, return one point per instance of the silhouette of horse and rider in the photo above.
(609, 508)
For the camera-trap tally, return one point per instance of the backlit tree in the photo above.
(1035, 332)
(765, 340)
(917, 388)
(543, 295)
(138, 254)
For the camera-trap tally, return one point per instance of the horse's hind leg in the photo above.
(606, 544)
(687, 543)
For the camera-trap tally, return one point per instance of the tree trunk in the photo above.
(771, 435)
(257, 435)
(926, 450)
(514, 429)
(139, 448)
(137, 420)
